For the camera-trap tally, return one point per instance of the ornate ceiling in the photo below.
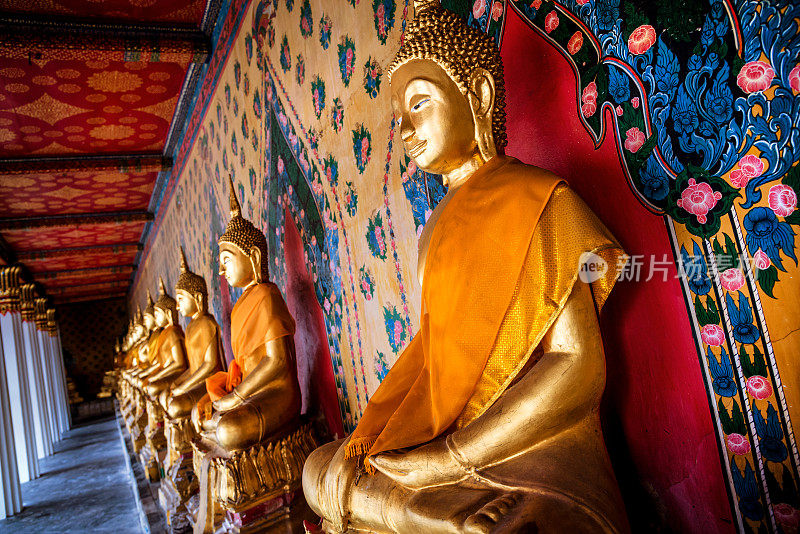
(93, 95)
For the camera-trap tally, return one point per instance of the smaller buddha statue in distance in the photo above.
(203, 344)
(489, 420)
(169, 347)
(259, 395)
(148, 353)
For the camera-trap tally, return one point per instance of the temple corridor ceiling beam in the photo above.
(118, 162)
(91, 271)
(78, 251)
(25, 223)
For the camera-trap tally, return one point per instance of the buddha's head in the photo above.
(148, 316)
(242, 248)
(165, 309)
(447, 91)
(138, 327)
(190, 291)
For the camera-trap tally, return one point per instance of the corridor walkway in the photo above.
(84, 487)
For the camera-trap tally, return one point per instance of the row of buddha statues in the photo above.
(488, 421)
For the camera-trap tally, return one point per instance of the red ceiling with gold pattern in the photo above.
(82, 235)
(75, 192)
(86, 107)
(82, 261)
(182, 11)
(90, 92)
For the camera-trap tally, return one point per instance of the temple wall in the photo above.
(702, 369)
(87, 330)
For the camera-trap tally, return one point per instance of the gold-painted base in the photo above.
(253, 489)
(179, 483)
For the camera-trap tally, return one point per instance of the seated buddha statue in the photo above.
(489, 420)
(169, 347)
(259, 394)
(148, 355)
(203, 344)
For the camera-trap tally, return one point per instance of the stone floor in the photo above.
(85, 487)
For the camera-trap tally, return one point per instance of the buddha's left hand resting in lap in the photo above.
(488, 421)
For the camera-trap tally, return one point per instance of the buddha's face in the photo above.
(235, 265)
(187, 305)
(149, 321)
(436, 121)
(161, 317)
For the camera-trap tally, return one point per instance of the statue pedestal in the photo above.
(179, 483)
(155, 449)
(254, 489)
(138, 422)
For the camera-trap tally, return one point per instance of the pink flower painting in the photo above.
(634, 139)
(759, 387)
(713, 335)
(761, 260)
(699, 199)
(782, 200)
(497, 10)
(478, 9)
(794, 79)
(642, 39)
(551, 21)
(732, 279)
(575, 43)
(755, 76)
(750, 166)
(737, 444)
(787, 517)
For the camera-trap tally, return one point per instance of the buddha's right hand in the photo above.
(335, 484)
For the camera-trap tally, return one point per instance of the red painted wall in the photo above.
(657, 421)
(314, 367)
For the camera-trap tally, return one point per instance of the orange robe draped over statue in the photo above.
(502, 261)
(260, 315)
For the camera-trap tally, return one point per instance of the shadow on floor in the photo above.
(83, 487)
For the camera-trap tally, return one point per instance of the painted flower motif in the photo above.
(318, 95)
(642, 39)
(372, 77)
(755, 76)
(794, 78)
(300, 70)
(367, 285)
(589, 100)
(634, 139)
(306, 21)
(362, 141)
(759, 387)
(782, 200)
(281, 165)
(737, 443)
(337, 115)
(347, 55)
(575, 43)
(497, 10)
(732, 279)
(618, 111)
(350, 199)
(635, 102)
(395, 328)
(787, 517)
(376, 237)
(384, 18)
(325, 25)
(761, 260)
(713, 335)
(478, 9)
(699, 199)
(551, 21)
(765, 232)
(536, 4)
(750, 166)
(286, 57)
(582, 2)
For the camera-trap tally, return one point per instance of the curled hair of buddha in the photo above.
(150, 308)
(189, 281)
(243, 235)
(165, 302)
(443, 37)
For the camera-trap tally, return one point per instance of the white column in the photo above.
(18, 389)
(62, 372)
(12, 492)
(55, 383)
(47, 380)
(44, 446)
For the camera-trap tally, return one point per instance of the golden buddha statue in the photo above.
(249, 420)
(205, 355)
(488, 421)
(169, 347)
(149, 364)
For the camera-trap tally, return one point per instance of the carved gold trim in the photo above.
(10, 289)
